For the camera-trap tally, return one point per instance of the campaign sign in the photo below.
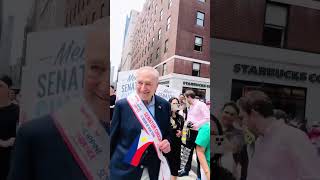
(54, 71)
(127, 85)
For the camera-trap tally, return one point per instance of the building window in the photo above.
(158, 51)
(166, 45)
(70, 16)
(275, 26)
(152, 42)
(198, 43)
(159, 34)
(82, 4)
(195, 69)
(161, 14)
(154, 25)
(200, 19)
(67, 19)
(78, 6)
(202, 0)
(102, 10)
(155, 9)
(168, 23)
(164, 69)
(93, 17)
(169, 4)
(74, 13)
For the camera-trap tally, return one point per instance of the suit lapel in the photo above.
(158, 109)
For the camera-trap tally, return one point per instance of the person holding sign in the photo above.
(140, 129)
(71, 144)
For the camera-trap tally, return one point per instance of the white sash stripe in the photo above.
(150, 126)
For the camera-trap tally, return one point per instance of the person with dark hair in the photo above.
(183, 106)
(234, 138)
(198, 115)
(176, 127)
(9, 116)
(113, 98)
(280, 151)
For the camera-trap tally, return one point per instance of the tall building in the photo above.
(6, 44)
(83, 12)
(173, 36)
(127, 48)
(268, 45)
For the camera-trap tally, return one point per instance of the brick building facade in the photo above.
(173, 36)
(83, 12)
(271, 45)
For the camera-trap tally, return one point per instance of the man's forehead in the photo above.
(145, 79)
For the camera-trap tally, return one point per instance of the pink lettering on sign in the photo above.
(85, 146)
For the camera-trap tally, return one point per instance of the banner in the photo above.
(54, 71)
(85, 138)
(127, 85)
(166, 92)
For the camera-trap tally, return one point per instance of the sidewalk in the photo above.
(193, 172)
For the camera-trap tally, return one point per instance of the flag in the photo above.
(137, 149)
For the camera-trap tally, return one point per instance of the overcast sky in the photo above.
(119, 11)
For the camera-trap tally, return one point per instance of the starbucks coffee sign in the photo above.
(278, 73)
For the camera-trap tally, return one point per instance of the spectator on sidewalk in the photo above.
(176, 126)
(9, 116)
(203, 150)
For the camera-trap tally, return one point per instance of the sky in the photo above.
(119, 9)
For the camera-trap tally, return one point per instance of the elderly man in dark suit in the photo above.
(41, 152)
(125, 127)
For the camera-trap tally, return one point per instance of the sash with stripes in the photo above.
(85, 137)
(152, 129)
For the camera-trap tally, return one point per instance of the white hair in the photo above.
(149, 69)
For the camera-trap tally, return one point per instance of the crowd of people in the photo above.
(253, 140)
(184, 123)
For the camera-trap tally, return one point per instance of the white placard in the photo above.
(126, 86)
(54, 71)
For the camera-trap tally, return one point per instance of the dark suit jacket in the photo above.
(125, 127)
(40, 154)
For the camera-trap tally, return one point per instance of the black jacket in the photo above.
(41, 154)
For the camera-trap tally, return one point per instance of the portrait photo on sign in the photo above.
(54, 92)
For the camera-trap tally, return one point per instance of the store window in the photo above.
(290, 99)
(200, 93)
